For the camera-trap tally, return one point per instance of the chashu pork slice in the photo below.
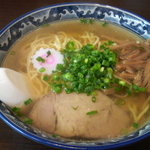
(75, 115)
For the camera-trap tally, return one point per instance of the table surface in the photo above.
(9, 10)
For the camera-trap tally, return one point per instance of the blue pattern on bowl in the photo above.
(36, 18)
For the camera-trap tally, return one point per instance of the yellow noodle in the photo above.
(143, 113)
(138, 114)
(133, 111)
(146, 102)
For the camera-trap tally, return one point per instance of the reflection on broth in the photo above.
(100, 89)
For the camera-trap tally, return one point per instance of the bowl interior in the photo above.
(32, 20)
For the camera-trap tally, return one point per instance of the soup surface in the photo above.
(102, 90)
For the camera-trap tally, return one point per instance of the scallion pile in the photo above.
(88, 69)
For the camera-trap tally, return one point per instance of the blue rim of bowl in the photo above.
(53, 143)
(73, 3)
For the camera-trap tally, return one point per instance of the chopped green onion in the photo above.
(27, 121)
(40, 59)
(86, 60)
(138, 89)
(122, 83)
(42, 69)
(68, 91)
(57, 89)
(68, 77)
(87, 21)
(60, 67)
(142, 89)
(106, 80)
(93, 93)
(128, 92)
(55, 135)
(15, 109)
(135, 125)
(28, 101)
(46, 78)
(135, 87)
(55, 77)
(104, 24)
(110, 42)
(70, 45)
(48, 53)
(93, 99)
(92, 112)
(102, 69)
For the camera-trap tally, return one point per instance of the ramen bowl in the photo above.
(32, 20)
